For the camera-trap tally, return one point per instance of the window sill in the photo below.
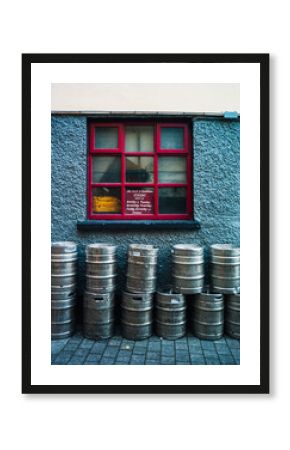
(91, 225)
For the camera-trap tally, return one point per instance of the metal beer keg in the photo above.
(232, 315)
(98, 315)
(224, 268)
(141, 268)
(136, 315)
(63, 288)
(101, 268)
(206, 315)
(188, 268)
(170, 314)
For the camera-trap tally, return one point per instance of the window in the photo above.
(139, 171)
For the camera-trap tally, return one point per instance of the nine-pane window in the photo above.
(140, 171)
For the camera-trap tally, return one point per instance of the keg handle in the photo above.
(137, 298)
(98, 298)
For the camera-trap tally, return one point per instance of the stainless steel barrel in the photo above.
(170, 314)
(224, 268)
(63, 288)
(98, 315)
(141, 268)
(232, 315)
(101, 268)
(206, 316)
(63, 266)
(188, 268)
(63, 317)
(136, 315)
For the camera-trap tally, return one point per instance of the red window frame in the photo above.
(123, 184)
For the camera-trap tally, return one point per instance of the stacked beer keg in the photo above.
(224, 268)
(170, 314)
(188, 268)
(215, 309)
(210, 312)
(187, 278)
(137, 299)
(225, 278)
(98, 300)
(232, 315)
(63, 288)
(206, 319)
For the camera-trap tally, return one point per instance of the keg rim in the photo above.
(188, 247)
(124, 292)
(142, 247)
(208, 292)
(66, 246)
(167, 290)
(101, 245)
(224, 247)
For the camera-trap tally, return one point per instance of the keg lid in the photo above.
(187, 249)
(63, 247)
(187, 246)
(100, 247)
(142, 247)
(224, 250)
(142, 250)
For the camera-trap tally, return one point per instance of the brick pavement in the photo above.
(188, 350)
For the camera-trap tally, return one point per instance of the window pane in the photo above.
(139, 169)
(172, 169)
(139, 201)
(172, 200)
(106, 200)
(106, 137)
(139, 139)
(106, 169)
(172, 138)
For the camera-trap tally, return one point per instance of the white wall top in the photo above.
(213, 98)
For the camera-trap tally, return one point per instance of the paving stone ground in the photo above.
(188, 350)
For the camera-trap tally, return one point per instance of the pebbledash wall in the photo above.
(216, 162)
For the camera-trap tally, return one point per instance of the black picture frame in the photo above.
(263, 61)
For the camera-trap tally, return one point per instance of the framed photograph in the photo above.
(145, 211)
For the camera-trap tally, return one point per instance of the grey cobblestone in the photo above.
(115, 341)
(107, 360)
(72, 346)
(167, 360)
(86, 344)
(63, 357)
(212, 360)
(153, 355)
(188, 350)
(93, 359)
(98, 347)
(223, 349)
(154, 346)
(226, 359)
(139, 351)
(207, 345)
(77, 360)
(59, 345)
(111, 352)
(138, 359)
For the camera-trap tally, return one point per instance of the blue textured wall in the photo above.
(216, 191)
